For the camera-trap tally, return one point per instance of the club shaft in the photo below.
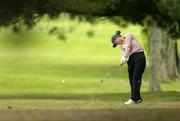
(110, 74)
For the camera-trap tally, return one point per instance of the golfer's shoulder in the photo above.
(128, 35)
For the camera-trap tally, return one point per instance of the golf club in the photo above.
(110, 74)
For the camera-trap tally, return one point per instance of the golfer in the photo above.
(133, 55)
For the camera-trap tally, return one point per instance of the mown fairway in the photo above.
(43, 78)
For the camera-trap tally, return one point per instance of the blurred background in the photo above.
(76, 52)
(62, 46)
(67, 56)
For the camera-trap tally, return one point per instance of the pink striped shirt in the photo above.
(130, 45)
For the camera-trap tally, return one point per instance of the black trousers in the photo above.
(136, 66)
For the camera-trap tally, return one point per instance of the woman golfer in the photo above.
(133, 55)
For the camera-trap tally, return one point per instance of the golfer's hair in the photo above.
(118, 32)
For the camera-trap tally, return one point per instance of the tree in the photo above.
(163, 36)
(162, 57)
(28, 11)
(165, 15)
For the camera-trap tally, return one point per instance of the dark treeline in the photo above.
(164, 12)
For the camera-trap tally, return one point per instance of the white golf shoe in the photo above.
(129, 102)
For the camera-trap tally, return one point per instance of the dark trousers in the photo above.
(136, 66)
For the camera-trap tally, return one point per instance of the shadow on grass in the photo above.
(92, 115)
(170, 96)
(67, 96)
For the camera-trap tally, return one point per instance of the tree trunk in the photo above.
(163, 62)
(171, 58)
(155, 36)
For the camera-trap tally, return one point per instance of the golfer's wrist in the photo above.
(124, 59)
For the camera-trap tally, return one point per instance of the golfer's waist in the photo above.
(136, 54)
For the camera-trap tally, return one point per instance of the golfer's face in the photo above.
(118, 40)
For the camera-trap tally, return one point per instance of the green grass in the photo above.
(163, 100)
(39, 63)
(33, 64)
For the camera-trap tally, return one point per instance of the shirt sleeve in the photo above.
(127, 47)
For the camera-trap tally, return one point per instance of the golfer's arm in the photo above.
(128, 48)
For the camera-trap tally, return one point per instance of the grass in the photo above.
(87, 101)
(32, 69)
(40, 63)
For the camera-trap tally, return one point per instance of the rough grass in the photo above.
(87, 101)
(91, 115)
(161, 106)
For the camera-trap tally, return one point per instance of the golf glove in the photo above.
(124, 60)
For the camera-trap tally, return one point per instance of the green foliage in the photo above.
(164, 12)
(170, 8)
(169, 16)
